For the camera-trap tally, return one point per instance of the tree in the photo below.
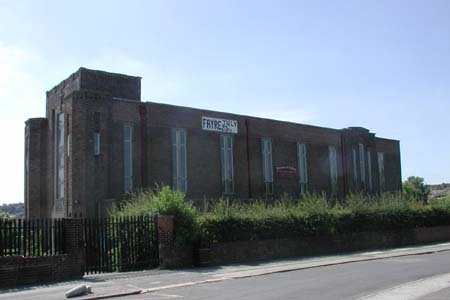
(414, 188)
(6, 216)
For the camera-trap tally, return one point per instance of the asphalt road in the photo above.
(376, 279)
(413, 273)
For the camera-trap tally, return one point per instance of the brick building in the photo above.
(99, 141)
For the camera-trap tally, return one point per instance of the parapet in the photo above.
(120, 86)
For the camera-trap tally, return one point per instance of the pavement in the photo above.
(197, 283)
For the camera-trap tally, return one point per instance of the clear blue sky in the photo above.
(383, 65)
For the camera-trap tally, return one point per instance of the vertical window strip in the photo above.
(302, 168)
(230, 164)
(369, 170)
(381, 171)
(266, 148)
(128, 158)
(355, 171)
(226, 154)
(362, 168)
(333, 168)
(69, 144)
(179, 160)
(96, 143)
(60, 151)
(27, 156)
(68, 135)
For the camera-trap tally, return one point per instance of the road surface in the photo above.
(412, 277)
(409, 274)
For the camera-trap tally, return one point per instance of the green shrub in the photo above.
(314, 215)
(6, 216)
(163, 201)
(227, 220)
(442, 204)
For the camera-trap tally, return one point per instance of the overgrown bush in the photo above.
(163, 201)
(6, 216)
(226, 220)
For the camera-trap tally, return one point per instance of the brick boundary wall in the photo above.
(17, 270)
(248, 251)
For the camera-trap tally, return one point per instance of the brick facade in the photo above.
(103, 103)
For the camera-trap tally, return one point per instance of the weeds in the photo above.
(232, 219)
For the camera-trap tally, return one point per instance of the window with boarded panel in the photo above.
(226, 157)
(266, 149)
(179, 169)
(381, 171)
(332, 158)
(354, 170)
(60, 162)
(362, 167)
(128, 158)
(369, 171)
(302, 168)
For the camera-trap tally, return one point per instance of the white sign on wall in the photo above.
(221, 125)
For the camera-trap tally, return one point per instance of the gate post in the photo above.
(165, 240)
(74, 246)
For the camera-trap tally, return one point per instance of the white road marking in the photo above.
(412, 290)
(168, 295)
(133, 286)
(159, 297)
(372, 253)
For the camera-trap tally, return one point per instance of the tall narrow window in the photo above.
(96, 143)
(332, 158)
(60, 151)
(69, 144)
(302, 168)
(381, 171)
(354, 170)
(27, 174)
(128, 158)
(179, 169)
(226, 156)
(362, 167)
(369, 170)
(266, 149)
(68, 150)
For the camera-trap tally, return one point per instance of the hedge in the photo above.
(337, 220)
(223, 220)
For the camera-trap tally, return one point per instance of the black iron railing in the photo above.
(120, 244)
(31, 237)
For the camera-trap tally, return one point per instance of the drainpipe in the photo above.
(143, 120)
(249, 171)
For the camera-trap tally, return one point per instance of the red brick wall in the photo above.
(247, 251)
(18, 270)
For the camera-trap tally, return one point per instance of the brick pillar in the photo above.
(74, 246)
(165, 240)
(35, 171)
